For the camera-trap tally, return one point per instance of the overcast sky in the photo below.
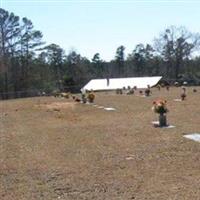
(103, 25)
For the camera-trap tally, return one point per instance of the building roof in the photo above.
(119, 83)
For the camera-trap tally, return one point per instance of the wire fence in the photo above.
(19, 94)
(71, 89)
(37, 92)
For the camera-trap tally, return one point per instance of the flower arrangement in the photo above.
(140, 92)
(183, 94)
(65, 95)
(194, 90)
(119, 91)
(84, 100)
(147, 92)
(91, 97)
(159, 106)
(131, 91)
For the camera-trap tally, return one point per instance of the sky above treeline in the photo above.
(100, 26)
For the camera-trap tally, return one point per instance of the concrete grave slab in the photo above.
(193, 136)
(100, 106)
(156, 124)
(177, 100)
(109, 109)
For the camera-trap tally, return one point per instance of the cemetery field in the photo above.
(53, 148)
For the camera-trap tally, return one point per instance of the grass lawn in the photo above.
(53, 148)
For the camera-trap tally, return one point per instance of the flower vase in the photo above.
(91, 100)
(162, 120)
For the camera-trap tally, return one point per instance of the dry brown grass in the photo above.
(54, 148)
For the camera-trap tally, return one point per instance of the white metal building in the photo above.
(119, 83)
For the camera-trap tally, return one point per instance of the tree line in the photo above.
(27, 63)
